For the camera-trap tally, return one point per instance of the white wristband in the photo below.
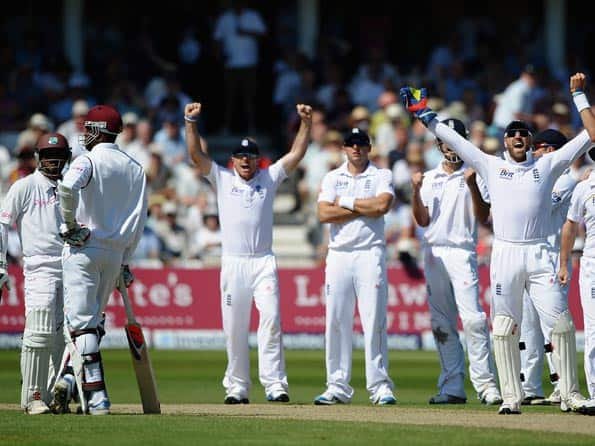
(189, 119)
(580, 100)
(347, 202)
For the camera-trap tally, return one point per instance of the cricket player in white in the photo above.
(32, 203)
(442, 203)
(354, 199)
(245, 197)
(520, 193)
(532, 355)
(582, 210)
(103, 200)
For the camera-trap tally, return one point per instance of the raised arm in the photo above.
(577, 88)
(416, 102)
(193, 139)
(300, 143)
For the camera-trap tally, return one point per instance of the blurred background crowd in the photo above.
(248, 64)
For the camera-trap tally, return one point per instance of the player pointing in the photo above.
(520, 192)
(245, 197)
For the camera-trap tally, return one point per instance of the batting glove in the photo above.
(76, 235)
(4, 283)
(125, 278)
(416, 102)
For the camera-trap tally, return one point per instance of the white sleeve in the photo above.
(468, 152)
(214, 174)
(79, 174)
(483, 188)
(277, 173)
(577, 206)
(385, 183)
(565, 155)
(425, 191)
(129, 251)
(327, 189)
(3, 247)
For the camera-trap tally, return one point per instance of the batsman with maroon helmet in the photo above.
(103, 202)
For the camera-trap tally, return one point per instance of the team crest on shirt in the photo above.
(259, 190)
(341, 184)
(506, 174)
(556, 197)
(536, 175)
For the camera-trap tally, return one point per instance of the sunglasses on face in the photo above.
(251, 156)
(512, 133)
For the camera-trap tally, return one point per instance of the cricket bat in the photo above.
(143, 368)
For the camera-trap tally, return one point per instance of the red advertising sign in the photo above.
(188, 299)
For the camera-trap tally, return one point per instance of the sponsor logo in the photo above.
(506, 174)
(342, 184)
(498, 289)
(556, 197)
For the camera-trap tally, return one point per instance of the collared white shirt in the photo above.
(32, 203)
(449, 203)
(246, 208)
(361, 232)
(520, 193)
(582, 209)
(113, 197)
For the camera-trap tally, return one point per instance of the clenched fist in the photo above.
(192, 110)
(417, 180)
(305, 112)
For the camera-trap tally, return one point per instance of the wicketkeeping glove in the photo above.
(76, 236)
(125, 278)
(416, 102)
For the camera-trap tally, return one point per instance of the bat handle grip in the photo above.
(126, 300)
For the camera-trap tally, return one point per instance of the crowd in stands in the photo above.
(468, 76)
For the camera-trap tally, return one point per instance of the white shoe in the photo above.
(384, 397)
(37, 407)
(491, 397)
(510, 409)
(327, 399)
(554, 398)
(578, 403)
(100, 408)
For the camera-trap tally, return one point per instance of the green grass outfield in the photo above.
(194, 378)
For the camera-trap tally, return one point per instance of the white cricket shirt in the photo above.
(361, 232)
(32, 203)
(560, 203)
(449, 203)
(113, 197)
(246, 208)
(582, 209)
(520, 193)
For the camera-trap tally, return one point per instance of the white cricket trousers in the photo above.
(350, 275)
(531, 267)
(453, 291)
(90, 276)
(244, 278)
(43, 289)
(532, 357)
(587, 291)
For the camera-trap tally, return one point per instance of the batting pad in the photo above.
(38, 339)
(508, 358)
(564, 354)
